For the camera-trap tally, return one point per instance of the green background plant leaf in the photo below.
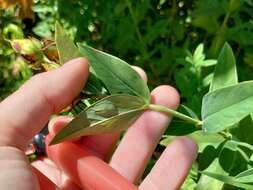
(114, 113)
(225, 73)
(245, 176)
(208, 183)
(228, 179)
(225, 107)
(116, 74)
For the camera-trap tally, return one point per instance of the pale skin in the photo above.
(24, 113)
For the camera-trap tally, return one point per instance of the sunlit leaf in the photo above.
(207, 182)
(228, 180)
(245, 176)
(67, 50)
(116, 74)
(225, 73)
(66, 47)
(208, 63)
(225, 107)
(198, 54)
(199, 137)
(114, 113)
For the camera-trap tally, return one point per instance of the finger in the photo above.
(37, 99)
(100, 145)
(139, 142)
(172, 167)
(47, 168)
(44, 182)
(104, 145)
(96, 174)
(13, 162)
(141, 72)
(67, 164)
(87, 170)
(57, 123)
(53, 173)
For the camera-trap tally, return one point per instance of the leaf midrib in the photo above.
(97, 123)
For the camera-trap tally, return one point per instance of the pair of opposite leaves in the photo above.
(224, 106)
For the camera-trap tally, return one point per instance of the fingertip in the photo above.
(166, 95)
(141, 72)
(57, 123)
(66, 82)
(80, 61)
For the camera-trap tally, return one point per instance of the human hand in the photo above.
(79, 165)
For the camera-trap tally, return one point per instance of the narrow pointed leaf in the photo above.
(245, 176)
(198, 55)
(189, 111)
(225, 107)
(225, 73)
(228, 180)
(114, 113)
(208, 63)
(206, 182)
(66, 48)
(116, 74)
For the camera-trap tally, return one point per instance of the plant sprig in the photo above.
(227, 103)
(121, 96)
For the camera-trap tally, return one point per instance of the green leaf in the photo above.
(206, 182)
(66, 48)
(198, 54)
(94, 86)
(225, 73)
(207, 80)
(225, 107)
(241, 131)
(245, 176)
(189, 111)
(199, 137)
(116, 74)
(208, 63)
(232, 158)
(228, 179)
(114, 113)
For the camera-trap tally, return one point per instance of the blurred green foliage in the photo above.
(155, 35)
(159, 36)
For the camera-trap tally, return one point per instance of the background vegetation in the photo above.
(155, 35)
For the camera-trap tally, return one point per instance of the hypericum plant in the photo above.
(125, 96)
(226, 104)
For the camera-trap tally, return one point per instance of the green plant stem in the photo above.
(225, 135)
(179, 115)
